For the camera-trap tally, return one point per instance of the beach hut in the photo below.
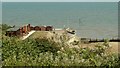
(13, 32)
(37, 28)
(31, 28)
(49, 28)
(43, 28)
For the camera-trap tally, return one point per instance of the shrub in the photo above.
(45, 45)
(45, 52)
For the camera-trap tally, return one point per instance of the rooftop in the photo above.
(13, 29)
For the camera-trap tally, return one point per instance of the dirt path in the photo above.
(30, 33)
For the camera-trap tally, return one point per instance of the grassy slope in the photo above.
(39, 34)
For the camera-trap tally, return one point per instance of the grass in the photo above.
(39, 34)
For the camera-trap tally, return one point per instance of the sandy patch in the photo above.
(114, 46)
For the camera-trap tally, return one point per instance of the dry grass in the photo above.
(114, 46)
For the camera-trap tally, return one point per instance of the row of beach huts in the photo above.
(20, 31)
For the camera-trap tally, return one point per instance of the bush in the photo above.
(20, 50)
(45, 45)
(45, 52)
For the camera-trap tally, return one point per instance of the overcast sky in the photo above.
(59, 0)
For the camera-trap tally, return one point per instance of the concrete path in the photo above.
(30, 33)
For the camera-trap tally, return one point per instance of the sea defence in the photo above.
(99, 40)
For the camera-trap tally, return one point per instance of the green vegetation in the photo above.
(39, 34)
(46, 52)
(4, 27)
(43, 52)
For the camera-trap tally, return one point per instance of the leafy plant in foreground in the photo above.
(45, 52)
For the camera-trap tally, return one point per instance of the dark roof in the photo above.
(13, 29)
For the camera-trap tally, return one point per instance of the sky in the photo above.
(59, 0)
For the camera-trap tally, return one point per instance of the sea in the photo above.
(88, 19)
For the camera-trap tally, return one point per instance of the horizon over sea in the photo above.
(89, 19)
